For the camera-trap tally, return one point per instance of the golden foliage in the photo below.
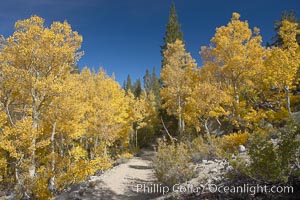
(177, 74)
(126, 155)
(233, 140)
(62, 126)
(55, 124)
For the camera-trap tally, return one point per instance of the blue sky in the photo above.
(124, 36)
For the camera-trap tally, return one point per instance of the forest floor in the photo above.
(119, 183)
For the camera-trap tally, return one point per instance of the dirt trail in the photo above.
(119, 183)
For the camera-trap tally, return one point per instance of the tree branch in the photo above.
(172, 138)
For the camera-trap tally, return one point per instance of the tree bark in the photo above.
(9, 115)
(288, 100)
(237, 101)
(52, 140)
(105, 150)
(136, 142)
(93, 153)
(172, 138)
(35, 124)
(180, 120)
(206, 126)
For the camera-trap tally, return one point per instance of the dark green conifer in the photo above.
(173, 30)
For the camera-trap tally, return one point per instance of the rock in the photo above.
(214, 170)
(274, 141)
(226, 165)
(219, 161)
(217, 178)
(221, 167)
(74, 195)
(269, 126)
(10, 197)
(204, 161)
(81, 191)
(193, 182)
(223, 162)
(242, 148)
(210, 162)
(83, 185)
(229, 168)
(2, 193)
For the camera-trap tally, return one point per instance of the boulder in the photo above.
(241, 148)
(210, 162)
(214, 170)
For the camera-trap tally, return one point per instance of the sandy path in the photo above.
(120, 183)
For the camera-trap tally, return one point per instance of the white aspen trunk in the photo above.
(206, 126)
(61, 149)
(105, 150)
(17, 175)
(136, 143)
(93, 153)
(179, 116)
(287, 98)
(52, 140)
(237, 96)
(9, 115)
(35, 125)
(237, 102)
(32, 167)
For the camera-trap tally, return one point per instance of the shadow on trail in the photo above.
(140, 167)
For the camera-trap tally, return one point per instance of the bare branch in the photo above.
(172, 138)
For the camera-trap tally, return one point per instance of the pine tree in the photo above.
(128, 84)
(2, 42)
(173, 31)
(147, 81)
(137, 88)
(124, 85)
(155, 87)
(289, 16)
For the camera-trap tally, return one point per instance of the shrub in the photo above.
(172, 163)
(206, 148)
(275, 162)
(199, 149)
(232, 141)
